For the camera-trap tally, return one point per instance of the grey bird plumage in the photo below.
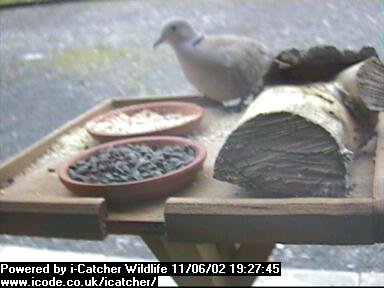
(223, 68)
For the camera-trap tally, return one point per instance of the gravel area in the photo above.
(59, 60)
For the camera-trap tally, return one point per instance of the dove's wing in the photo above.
(243, 60)
(223, 67)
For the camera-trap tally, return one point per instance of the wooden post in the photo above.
(208, 252)
(179, 252)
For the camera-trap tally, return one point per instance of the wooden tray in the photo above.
(36, 203)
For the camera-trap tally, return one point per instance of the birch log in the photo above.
(299, 140)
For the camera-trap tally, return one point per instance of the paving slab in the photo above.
(293, 277)
(372, 279)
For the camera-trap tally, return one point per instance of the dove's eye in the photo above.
(173, 28)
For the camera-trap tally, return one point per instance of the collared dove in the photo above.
(223, 68)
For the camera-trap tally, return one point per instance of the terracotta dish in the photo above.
(162, 108)
(152, 188)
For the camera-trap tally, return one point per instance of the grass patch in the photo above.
(12, 3)
(89, 62)
(9, 2)
(83, 59)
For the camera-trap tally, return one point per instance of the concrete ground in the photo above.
(56, 61)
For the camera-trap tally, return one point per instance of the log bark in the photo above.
(365, 82)
(317, 64)
(299, 140)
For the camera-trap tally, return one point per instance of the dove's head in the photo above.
(176, 31)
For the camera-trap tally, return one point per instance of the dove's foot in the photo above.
(233, 105)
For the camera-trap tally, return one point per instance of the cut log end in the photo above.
(283, 153)
(370, 83)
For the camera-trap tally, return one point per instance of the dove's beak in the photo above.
(157, 43)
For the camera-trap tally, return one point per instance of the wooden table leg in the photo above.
(250, 253)
(177, 252)
(174, 251)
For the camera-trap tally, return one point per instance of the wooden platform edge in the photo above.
(77, 218)
(378, 185)
(119, 102)
(291, 221)
(195, 98)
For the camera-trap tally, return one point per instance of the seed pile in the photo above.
(141, 122)
(130, 163)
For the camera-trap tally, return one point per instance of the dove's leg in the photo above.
(231, 103)
(248, 99)
(242, 103)
(238, 104)
(245, 101)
